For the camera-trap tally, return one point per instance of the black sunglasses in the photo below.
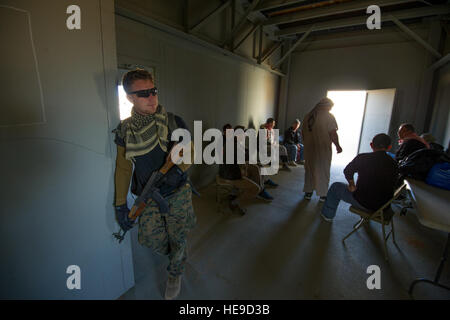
(145, 93)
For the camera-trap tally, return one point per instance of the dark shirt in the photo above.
(292, 137)
(377, 178)
(229, 171)
(146, 164)
(407, 148)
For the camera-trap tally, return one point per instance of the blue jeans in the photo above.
(292, 151)
(337, 192)
(300, 152)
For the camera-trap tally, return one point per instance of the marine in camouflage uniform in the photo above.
(143, 144)
(166, 233)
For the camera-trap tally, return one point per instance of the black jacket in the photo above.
(292, 137)
(407, 148)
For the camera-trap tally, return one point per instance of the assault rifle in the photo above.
(150, 192)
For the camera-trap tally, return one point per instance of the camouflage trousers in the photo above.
(167, 233)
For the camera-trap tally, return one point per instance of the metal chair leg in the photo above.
(355, 229)
(358, 223)
(384, 241)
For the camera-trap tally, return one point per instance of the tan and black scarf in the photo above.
(143, 133)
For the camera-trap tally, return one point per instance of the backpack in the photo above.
(419, 163)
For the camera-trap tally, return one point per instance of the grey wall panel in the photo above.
(57, 177)
(357, 67)
(19, 108)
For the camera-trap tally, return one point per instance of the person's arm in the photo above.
(185, 166)
(335, 139)
(349, 173)
(122, 177)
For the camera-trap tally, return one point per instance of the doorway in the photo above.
(360, 115)
(348, 110)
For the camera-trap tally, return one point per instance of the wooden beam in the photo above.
(210, 16)
(356, 21)
(295, 45)
(330, 11)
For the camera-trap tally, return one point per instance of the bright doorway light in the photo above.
(349, 112)
(125, 106)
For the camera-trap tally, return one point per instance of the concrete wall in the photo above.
(197, 83)
(57, 168)
(361, 61)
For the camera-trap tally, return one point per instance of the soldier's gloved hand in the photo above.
(122, 217)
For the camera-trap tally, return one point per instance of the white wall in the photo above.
(57, 176)
(199, 84)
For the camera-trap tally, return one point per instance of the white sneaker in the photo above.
(325, 218)
(173, 287)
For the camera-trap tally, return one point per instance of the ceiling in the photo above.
(292, 18)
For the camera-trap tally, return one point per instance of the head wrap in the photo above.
(323, 104)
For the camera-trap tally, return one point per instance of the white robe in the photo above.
(318, 153)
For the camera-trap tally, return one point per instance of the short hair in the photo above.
(408, 126)
(227, 126)
(131, 76)
(381, 141)
(270, 120)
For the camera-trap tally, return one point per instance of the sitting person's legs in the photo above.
(292, 152)
(337, 192)
(247, 189)
(254, 174)
(300, 154)
(284, 157)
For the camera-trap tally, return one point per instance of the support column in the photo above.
(424, 109)
(281, 112)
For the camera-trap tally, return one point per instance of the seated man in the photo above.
(377, 178)
(409, 142)
(253, 172)
(244, 177)
(292, 142)
(269, 126)
(428, 137)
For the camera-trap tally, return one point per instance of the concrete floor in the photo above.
(283, 250)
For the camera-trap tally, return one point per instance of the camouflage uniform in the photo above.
(167, 233)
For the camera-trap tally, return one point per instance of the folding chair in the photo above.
(380, 216)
